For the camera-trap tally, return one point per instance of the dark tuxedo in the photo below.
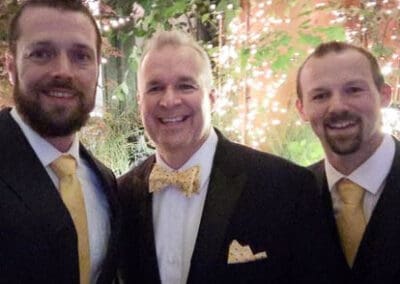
(38, 241)
(253, 197)
(378, 257)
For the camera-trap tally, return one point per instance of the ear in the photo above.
(11, 68)
(300, 109)
(138, 98)
(386, 95)
(212, 96)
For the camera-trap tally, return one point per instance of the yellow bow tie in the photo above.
(186, 181)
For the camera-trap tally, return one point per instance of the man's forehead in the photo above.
(51, 19)
(164, 78)
(346, 62)
(50, 25)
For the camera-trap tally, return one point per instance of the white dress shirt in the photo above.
(176, 218)
(371, 175)
(97, 209)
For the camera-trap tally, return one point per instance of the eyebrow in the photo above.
(153, 82)
(179, 80)
(186, 79)
(357, 81)
(39, 44)
(48, 42)
(317, 89)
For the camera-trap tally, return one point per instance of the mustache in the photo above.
(336, 117)
(57, 83)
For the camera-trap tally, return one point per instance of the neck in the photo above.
(346, 164)
(62, 144)
(177, 157)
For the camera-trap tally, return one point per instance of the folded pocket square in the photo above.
(242, 254)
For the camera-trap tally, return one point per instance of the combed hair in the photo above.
(63, 5)
(338, 47)
(177, 39)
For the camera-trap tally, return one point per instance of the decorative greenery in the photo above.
(262, 117)
(7, 8)
(116, 140)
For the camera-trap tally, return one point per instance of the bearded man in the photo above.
(57, 202)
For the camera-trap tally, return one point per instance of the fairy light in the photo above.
(258, 87)
(387, 69)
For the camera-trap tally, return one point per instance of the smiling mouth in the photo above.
(341, 124)
(59, 94)
(172, 120)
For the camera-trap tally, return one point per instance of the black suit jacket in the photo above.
(258, 199)
(38, 241)
(378, 257)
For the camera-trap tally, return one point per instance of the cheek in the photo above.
(146, 109)
(316, 119)
(87, 79)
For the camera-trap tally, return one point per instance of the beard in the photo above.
(59, 120)
(348, 143)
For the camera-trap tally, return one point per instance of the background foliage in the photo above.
(256, 47)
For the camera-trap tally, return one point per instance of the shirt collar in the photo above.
(45, 152)
(203, 157)
(370, 174)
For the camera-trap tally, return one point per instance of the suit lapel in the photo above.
(148, 247)
(380, 246)
(319, 173)
(39, 195)
(224, 189)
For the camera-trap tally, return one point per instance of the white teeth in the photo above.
(172, 119)
(60, 94)
(341, 124)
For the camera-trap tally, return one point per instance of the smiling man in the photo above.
(341, 92)
(209, 210)
(57, 202)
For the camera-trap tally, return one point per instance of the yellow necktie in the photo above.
(71, 193)
(186, 181)
(350, 220)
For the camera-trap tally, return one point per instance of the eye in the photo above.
(354, 89)
(186, 87)
(154, 89)
(319, 96)
(41, 54)
(81, 56)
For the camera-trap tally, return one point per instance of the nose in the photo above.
(338, 102)
(170, 98)
(62, 67)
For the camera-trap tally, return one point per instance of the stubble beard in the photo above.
(344, 144)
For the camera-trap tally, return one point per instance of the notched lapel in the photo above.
(222, 196)
(148, 245)
(26, 177)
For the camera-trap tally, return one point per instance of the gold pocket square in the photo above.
(242, 254)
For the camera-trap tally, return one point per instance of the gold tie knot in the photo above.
(64, 166)
(186, 181)
(350, 193)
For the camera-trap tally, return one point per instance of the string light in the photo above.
(257, 86)
(248, 97)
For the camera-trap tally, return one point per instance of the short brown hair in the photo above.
(64, 5)
(338, 47)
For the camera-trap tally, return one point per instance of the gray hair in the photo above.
(177, 39)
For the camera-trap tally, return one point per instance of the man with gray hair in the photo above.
(204, 209)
